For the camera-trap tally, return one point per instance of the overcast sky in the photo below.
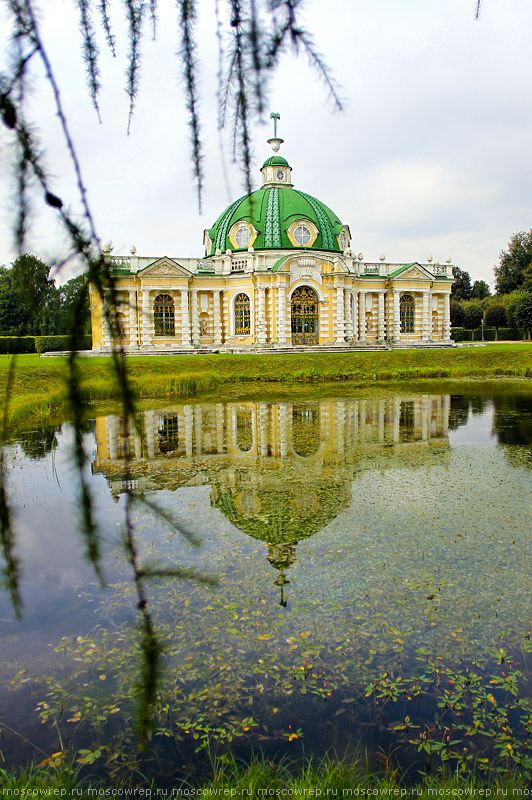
(431, 154)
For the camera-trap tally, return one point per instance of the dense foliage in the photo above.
(31, 303)
(515, 266)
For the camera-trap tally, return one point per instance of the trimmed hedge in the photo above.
(17, 344)
(49, 344)
(461, 334)
(505, 334)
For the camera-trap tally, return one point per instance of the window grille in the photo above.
(242, 315)
(163, 315)
(406, 313)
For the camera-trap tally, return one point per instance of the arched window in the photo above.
(244, 429)
(242, 315)
(406, 313)
(167, 433)
(163, 315)
(302, 235)
(243, 236)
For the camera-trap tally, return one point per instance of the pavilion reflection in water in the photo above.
(279, 472)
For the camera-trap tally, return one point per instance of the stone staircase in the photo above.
(273, 349)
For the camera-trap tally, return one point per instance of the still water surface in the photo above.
(371, 553)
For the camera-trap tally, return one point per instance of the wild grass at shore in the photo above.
(327, 778)
(39, 387)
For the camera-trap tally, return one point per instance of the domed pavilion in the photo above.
(278, 272)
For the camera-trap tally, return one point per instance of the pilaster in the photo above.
(261, 314)
(133, 324)
(362, 315)
(446, 316)
(146, 319)
(194, 317)
(281, 313)
(185, 320)
(340, 312)
(216, 296)
(396, 316)
(380, 317)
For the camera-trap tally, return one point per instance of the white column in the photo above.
(425, 333)
(348, 314)
(220, 418)
(446, 316)
(355, 315)
(133, 325)
(396, 419)
(189, 421)
(362, 421)
(137, 442)
(426, 413)
(262, 315)
(381, 405)
(446, 408)
(185, 320)
(283, 429)
(194, 317)
(281, 313)
(340, 315)
(263, 429)
(198, 427)
(362, 316)
(113, 436)
(146, 318)
(380, 318)
(339, 426)
(396, 316)
(149, 427)
(216, 295)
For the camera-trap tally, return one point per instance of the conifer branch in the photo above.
(90, 52)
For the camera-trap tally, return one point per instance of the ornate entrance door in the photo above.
(304, 316)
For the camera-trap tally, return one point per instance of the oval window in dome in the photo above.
(302, 235)
(343, 240)
(243, 236)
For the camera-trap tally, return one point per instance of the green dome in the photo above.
(275, 161)
(271, 210)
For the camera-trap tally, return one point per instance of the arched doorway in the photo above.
(304, 316)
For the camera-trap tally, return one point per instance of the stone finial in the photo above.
(429, 259)
(132, 249)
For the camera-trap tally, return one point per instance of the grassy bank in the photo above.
(39, 387)
(330, 777)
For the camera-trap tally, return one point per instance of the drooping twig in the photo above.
(187, 21)
(90, 52)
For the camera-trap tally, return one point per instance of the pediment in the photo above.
(413, 272)
(165, 268)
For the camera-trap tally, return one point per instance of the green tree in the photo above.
(74, 306)
(11, 311)
(515, 265)
(523, 314)
(461, 288)
(495, 317)
(457, 313)
(480, 290)
(35, 295)
(473, 315)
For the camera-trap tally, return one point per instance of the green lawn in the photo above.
(39, 384)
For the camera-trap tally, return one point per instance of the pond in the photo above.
(372, 563)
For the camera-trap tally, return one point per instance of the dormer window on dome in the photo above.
(344, 238)
(242, 235)
(302, 233)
